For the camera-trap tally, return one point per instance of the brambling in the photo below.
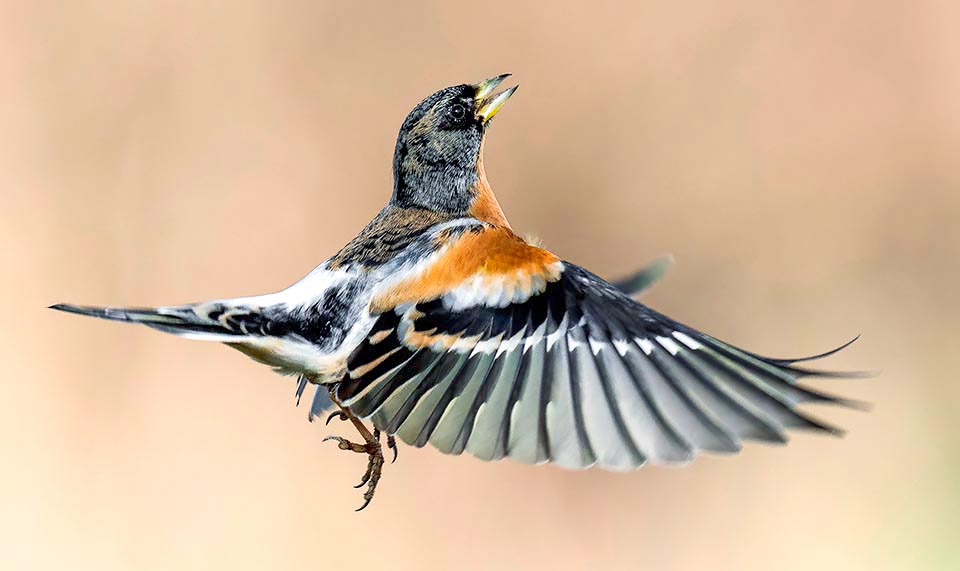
(438, 324)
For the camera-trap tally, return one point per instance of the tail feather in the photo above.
(183, 320)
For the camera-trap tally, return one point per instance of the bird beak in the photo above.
(488, 104)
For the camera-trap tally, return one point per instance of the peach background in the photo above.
(799, 158)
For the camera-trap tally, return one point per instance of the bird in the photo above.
(439, 324)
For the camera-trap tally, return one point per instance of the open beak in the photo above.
(488, 104)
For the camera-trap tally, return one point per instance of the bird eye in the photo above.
(458, 111)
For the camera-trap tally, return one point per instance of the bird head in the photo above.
(437, 164)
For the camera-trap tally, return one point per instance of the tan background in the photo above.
(798, 158)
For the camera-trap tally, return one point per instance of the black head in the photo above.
(436, 164)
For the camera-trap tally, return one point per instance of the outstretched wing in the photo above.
(641, 280)
(512, 353)
(634, 284)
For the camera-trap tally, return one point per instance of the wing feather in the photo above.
(448, 436)
(418, 427)
(739, 414)
(566, 429)
(491, 411)
(570, 371)
(606, 430)
(525, 438)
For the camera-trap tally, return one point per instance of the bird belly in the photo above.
(286, 356)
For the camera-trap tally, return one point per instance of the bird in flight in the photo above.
(438, 324)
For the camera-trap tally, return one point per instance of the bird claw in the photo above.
(366, 502)
(371, 464)
(363, 480)
(371, 478)
(374, 453)
(392, 445)
(371, 447)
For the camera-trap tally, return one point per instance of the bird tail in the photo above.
(204, 322)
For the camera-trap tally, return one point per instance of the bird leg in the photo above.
(371, 447)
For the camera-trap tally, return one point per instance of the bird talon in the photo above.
(366, 502)
(371, 447)
(366, 475)
(392, 445)
(374, 469)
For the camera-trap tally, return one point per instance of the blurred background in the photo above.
(798, 158)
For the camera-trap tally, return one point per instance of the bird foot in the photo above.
(371, 447)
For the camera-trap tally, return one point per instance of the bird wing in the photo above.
(497, 348)
(640, 281)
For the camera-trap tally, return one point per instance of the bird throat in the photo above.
(446, 188)
(484, 205)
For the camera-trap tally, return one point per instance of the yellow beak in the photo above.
(487, 105)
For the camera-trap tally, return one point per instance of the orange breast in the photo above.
(495, 261)
(485, 205)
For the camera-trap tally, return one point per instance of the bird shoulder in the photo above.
(486, 265)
